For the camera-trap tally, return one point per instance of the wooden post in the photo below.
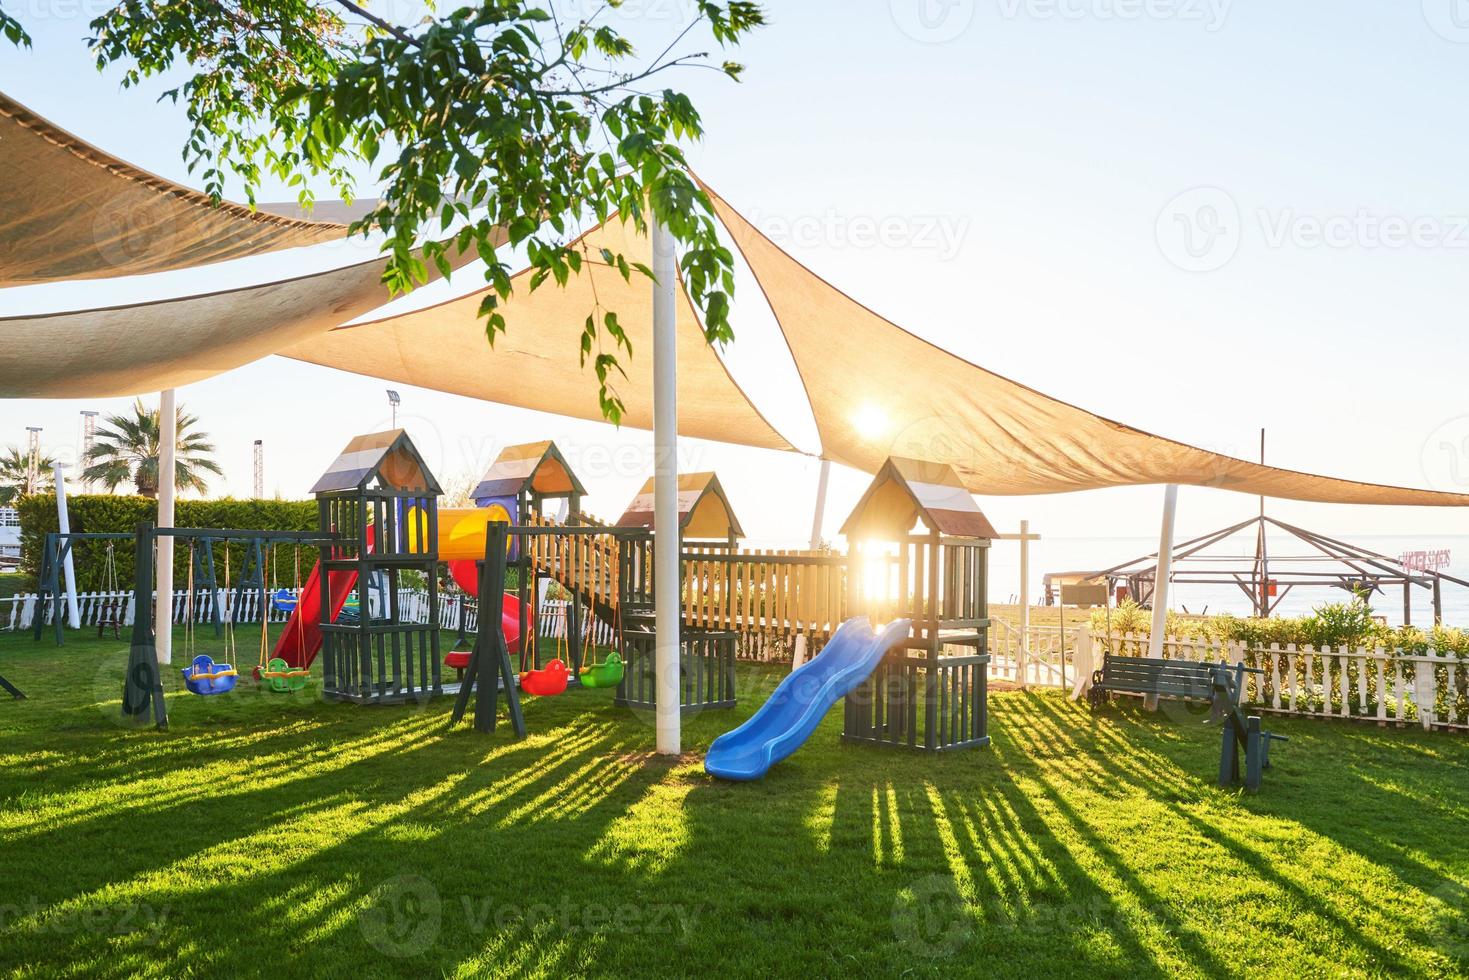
(1022, 653)
(489, 663)
(1022, 650)
(143, 688)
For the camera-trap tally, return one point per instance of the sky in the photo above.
(1199, 217)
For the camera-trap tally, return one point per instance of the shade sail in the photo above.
(535, 363)
(877, 390)
(70, 211)
(127, 350)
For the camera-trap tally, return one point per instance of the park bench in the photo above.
(1154, 677)
(1219, 684)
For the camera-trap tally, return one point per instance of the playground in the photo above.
(298, 837)
(533, 670)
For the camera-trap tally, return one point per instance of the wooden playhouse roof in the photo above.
(703, 509)
(389, 457)
(906, 491)
(535, 467)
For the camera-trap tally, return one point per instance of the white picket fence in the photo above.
(1045, 659)
(19, 612)
(1369, 684)
(95, 607)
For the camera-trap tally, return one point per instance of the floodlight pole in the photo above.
(819, 516)
(1163, 571)
(163, 597)
(665, 491)
(68, 567)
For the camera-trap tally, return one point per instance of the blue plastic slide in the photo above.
(800, 702)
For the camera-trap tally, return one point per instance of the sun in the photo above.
(871, 421)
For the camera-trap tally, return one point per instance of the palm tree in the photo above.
(18, 475)
(126, 448)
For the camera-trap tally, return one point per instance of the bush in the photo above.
(1332, 624)
(107, 512)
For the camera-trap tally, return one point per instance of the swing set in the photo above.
(206, 676)
(143, 689)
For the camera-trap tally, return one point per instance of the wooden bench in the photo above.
(1154, 677)
(1221, 685)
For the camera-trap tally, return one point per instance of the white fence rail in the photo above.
(1044, 658)
(1365, 683)
(19, 612)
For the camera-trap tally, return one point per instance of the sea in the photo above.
(1081, 554)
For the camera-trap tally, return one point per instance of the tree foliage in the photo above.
(21, 473)
(506, 114)
(126, 449)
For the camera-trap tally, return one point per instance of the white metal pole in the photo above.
(819, 516)
(1164, 571)
(63, 524)
(665, 491)
(1023, 650)
(163, 598)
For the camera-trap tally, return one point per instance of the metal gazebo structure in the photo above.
(1265, 578)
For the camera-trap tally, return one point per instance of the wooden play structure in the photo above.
(706, 525)
(377, 505)
(920, 550)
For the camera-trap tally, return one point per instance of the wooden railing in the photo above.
(579, 562)
(781, 594)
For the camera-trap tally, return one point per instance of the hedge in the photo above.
(106, 512)
(1331, 624)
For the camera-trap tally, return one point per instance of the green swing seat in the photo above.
(281, 677)
(608, 673)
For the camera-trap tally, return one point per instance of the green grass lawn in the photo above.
(280, 835)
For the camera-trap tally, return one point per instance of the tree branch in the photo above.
(374, 19)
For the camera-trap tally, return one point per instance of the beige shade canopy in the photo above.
(535, 363)
(877, 390)
(70, 211)
(127, 350)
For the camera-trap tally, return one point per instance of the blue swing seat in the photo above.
(204, 676)
(283, 600)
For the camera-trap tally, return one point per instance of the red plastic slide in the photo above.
(300, 641)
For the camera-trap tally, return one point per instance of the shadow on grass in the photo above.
(342, 840)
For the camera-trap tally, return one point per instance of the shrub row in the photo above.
(1333, 624)
(107, 512)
